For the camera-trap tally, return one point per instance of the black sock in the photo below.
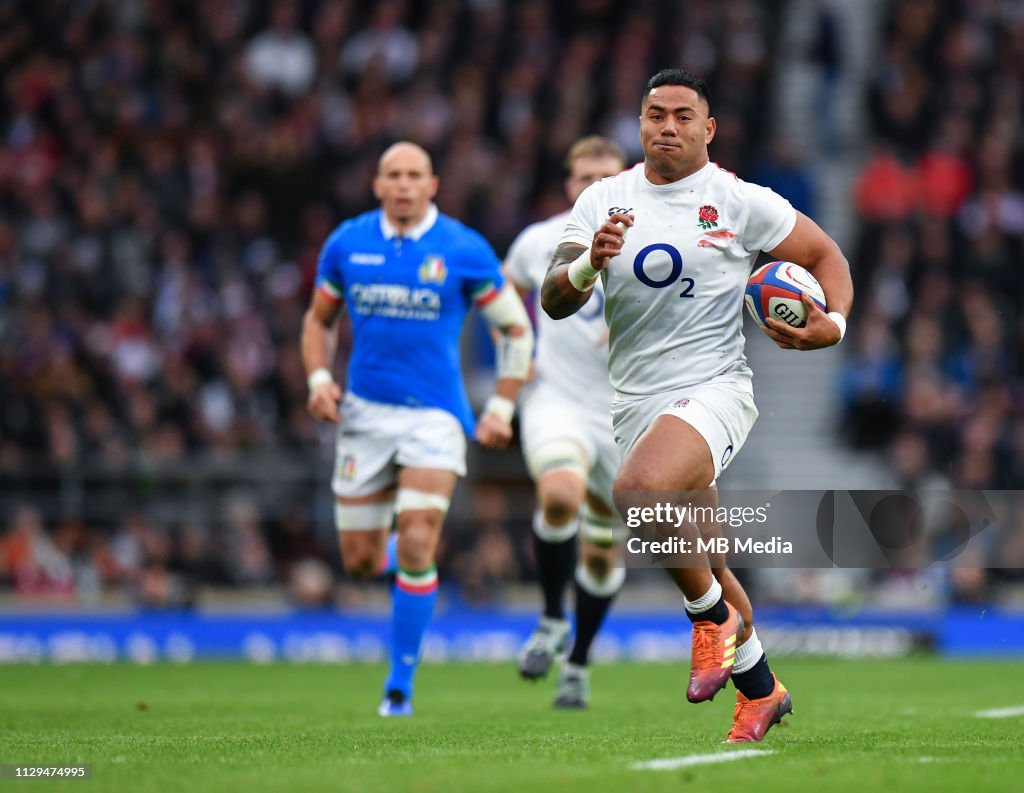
(590, 612)
(555, 563)
(717, 614)
(756, 682)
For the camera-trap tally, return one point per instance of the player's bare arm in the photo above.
(319, 337)
(810, 247)
(506, 315)
(558, 296)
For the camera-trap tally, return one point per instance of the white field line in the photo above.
(1001, 713)
(671, 763)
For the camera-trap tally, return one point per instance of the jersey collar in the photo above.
(417, 231)
(686, 182)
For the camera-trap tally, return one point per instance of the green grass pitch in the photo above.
(860, 726)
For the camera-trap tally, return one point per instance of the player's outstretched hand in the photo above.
(819, 331)
(323, 402)
(493, 432)
(608, 239)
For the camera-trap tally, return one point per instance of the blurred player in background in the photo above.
(569, 449)
(408, 275)
(674, 240)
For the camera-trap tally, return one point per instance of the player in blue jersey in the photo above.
(407, 276)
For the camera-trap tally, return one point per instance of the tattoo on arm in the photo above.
(558, 297)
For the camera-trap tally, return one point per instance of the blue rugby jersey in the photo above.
(407, 297)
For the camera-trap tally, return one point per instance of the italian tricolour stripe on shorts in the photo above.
(421, 583)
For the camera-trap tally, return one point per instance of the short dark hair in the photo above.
(678, 77)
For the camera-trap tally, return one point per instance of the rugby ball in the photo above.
(774, 291)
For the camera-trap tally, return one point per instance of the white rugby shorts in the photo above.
(722, 410)
(548, 415)
(374, 440)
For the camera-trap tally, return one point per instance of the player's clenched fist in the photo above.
(493, 432)
(323, 402)
(608, 239)
(818, 331)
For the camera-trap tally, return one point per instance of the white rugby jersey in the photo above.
(675, 292)
(572, 353)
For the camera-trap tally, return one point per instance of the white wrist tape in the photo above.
(581, 274)
(840, 321)
(502, 407)
(319, 377)
(514, 352)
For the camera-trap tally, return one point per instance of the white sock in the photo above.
(600, 588)
(748, 653)
(550, 533)
(707, 600)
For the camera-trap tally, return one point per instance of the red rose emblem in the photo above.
(708, 214)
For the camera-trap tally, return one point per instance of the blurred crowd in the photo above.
(168, 172)
(934, 378)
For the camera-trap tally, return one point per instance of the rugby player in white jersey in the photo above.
(673, 241)
(569, 449)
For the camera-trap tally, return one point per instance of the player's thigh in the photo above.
(431, 439)
(683, 441)
(429, 456)
(670, 459)
(424, 495)
(558, 447)
(553, 435)
(366, 445)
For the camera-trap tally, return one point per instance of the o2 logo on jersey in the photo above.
(676, 258)
(594, 308)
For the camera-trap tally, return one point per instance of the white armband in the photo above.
(840, 321)
(514, 352)
(581, 274)
(319, 377)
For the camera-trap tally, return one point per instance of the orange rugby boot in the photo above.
(752, 718)
(714, 651)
